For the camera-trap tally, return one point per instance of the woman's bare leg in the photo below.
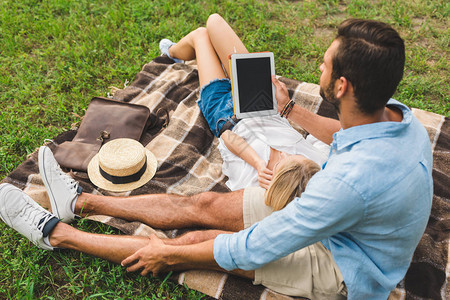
(197, 45)
(224, 40)
(208, 210)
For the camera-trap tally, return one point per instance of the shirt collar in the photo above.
(352, 135)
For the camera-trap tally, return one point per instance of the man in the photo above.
(358, 221)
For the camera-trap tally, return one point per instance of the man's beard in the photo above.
(328, 96)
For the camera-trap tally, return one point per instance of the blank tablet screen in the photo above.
(255, 84)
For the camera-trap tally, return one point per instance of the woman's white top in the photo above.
(261, 133)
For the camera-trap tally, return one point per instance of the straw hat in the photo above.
(122, 165)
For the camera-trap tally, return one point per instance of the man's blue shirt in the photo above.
(369, 206)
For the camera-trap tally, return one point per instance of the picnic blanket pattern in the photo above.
(189, 162)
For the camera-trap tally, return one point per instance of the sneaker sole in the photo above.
(43, 173)
(2, 187)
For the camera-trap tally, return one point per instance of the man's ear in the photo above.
(343, 87)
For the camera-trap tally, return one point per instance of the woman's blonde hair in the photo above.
(289, 182)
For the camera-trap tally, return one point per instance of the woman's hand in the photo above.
(264, 175)
(281, 93)
(151, 258)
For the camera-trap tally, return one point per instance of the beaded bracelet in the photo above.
(287, 109)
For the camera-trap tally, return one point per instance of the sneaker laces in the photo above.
(70, 182)
(34, 215)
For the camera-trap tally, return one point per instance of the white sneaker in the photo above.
(24, 215)
(61, 188)
(164, 46)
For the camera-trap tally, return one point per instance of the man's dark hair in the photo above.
(371, 55)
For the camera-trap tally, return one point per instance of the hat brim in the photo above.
(96, 178)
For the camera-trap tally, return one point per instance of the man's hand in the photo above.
(264, 175)
(281, 93)
(151, 258)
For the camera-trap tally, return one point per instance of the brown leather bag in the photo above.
(105, 120)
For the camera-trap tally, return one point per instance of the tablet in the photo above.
(251, 81)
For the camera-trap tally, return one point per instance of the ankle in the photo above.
(81, 204)
(58, 234)
(165, 45)
(173, 54)
(170, 51)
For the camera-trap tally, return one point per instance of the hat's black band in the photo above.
(124, 179)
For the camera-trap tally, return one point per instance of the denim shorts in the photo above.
(216, 104)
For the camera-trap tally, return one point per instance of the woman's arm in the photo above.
(239, 147)
(320, 127)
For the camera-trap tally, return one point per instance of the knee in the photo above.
(201, 32)
(199, 35)
(204, 202)
(214, 20)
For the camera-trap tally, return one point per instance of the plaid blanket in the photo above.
(189, 162)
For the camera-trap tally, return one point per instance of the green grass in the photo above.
(27, 272)
(56, 55)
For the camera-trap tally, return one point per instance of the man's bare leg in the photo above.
(208, 210)
(198, 236)
(116, 248)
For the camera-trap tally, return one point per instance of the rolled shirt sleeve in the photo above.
(328, 206)
(369, 206)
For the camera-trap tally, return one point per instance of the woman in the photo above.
(250, 147)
